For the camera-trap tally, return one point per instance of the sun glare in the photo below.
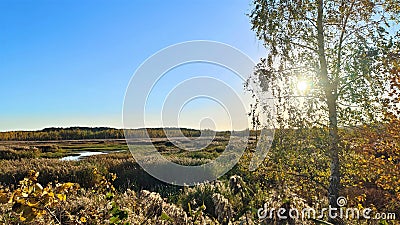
(302, 85)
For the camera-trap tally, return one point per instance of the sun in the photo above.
(302, 86)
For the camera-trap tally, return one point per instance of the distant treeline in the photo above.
(78, 133)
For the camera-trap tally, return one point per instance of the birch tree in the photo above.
(339, 51)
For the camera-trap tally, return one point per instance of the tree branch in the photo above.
(304, 46)
(339, 54)
(342, 88)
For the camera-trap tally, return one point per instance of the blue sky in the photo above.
(68, 63)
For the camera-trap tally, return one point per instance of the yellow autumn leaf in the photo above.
(66, 186)
(21, 218)
(32, 203)
(61, 197)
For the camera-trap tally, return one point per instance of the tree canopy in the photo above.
(349, 57)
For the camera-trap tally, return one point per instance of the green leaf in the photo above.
(164, 216)
(114, 220)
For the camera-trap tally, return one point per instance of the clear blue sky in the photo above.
(68, 62)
